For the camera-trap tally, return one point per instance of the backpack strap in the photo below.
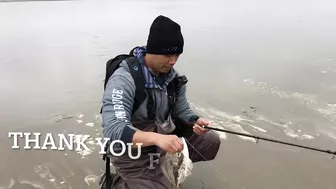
(140, 89)
(139, 81)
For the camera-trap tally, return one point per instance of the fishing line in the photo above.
(257, 138)
(207, 161)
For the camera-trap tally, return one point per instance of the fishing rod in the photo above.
(333, 153)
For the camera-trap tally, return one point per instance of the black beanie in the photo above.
(164, 37)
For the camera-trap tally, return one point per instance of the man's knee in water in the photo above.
(213, 143)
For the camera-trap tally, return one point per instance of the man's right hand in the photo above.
(169, 143)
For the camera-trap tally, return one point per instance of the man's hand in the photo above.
(198, 129)
(169, 143)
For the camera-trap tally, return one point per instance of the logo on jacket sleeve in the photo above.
(117, 102)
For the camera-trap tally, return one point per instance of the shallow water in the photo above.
(276, 57)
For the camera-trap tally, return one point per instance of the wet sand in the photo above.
(261, 67)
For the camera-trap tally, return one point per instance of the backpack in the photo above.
(140, 95)
(113, 64)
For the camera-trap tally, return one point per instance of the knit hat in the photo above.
(164, 37)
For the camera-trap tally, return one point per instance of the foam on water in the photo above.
(248, 80)
(222, 135)
(261, 118)
(327, 110)
(90, 124)
(83, 151)
(329, 70)
(10, 185)
(89, 179)
(225, 115)
(238, 128)
(98, 118)
(231, 121)
(236, 123)
(37, 186)
(91, 141)
(68, 169)
(331, 135)
(258, 128)
(214, 123)
(310, 100)
(269, 89)
(237, 119)
(330, 110)
(220, 119)
(293, 134)
(44, 172)
(287, 130)
(62, 117)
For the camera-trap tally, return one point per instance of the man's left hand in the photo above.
(198, 129)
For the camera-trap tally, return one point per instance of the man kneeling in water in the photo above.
(154, 128)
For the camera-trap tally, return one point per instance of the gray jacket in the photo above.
(118, 99)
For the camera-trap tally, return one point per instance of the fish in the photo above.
(177, 166)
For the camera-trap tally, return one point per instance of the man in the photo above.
(156, 134)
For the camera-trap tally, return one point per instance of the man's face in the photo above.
(163, 63)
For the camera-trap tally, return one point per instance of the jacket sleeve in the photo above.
(118, 102)
(183, 109)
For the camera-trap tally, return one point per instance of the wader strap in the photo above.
(173, 89)
(171, 98)
(150, 106)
